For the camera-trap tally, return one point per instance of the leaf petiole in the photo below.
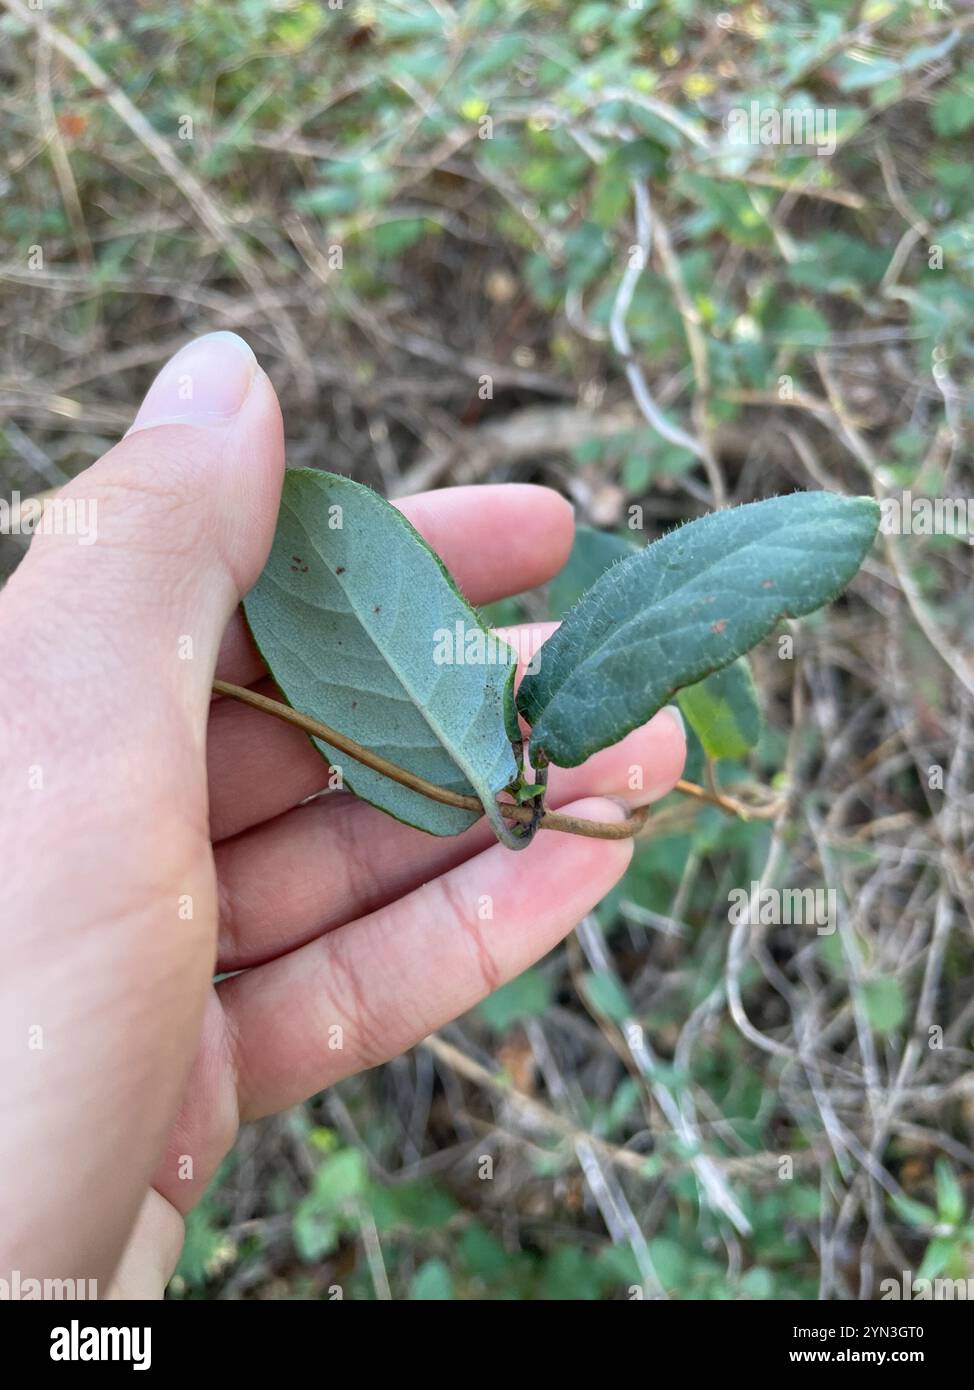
(524, 814)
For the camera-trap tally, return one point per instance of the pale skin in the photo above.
(154, 837)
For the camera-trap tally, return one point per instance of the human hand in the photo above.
(154, 837)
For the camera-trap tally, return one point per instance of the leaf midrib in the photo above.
(619, 631)
(443, 739)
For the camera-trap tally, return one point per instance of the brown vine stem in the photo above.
(551, 820)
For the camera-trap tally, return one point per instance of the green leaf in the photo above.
(937, 1256)
(497, 55)
(914, 1213)
(757, 1282)
(885, 1005)
(399, 25)
(586, 254)
(607, 995)
(591, 555)
(481, 1254)
(416, 1206)
(202, 1244)
(432, 1282)
(611, 194)
(528, 791)
(950, 1194)
(320, 1217)
(723, 711)
(687, 605)
(340, 1180)
(362, 627)
(589, 17)
(670, 1261)
(526, 997)
(570, 1275)
(397, 235)
(800, 324)
(729, 208)
(859, 71)
(953, 110)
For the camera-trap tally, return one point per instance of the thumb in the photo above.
(114, 627)
(147, 553)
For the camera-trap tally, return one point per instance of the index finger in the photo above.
(495, 539)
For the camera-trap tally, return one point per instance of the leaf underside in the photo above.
(687, 605)
(349, 619)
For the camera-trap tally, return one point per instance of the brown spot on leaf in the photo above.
(718, 626)
(767, 583)
(340, 569)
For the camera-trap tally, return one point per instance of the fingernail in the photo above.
(205, 383)
(674, 712)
